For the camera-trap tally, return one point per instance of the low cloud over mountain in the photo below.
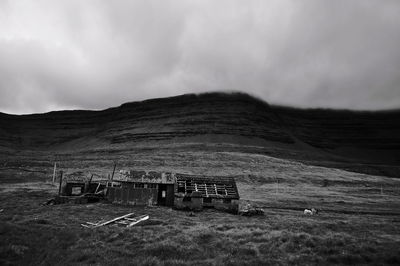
(96, 54)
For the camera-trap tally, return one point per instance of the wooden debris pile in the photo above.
(126, 220)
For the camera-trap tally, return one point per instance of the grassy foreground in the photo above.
(359, 221)
(52, 235)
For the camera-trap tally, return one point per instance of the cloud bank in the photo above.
(96, 54)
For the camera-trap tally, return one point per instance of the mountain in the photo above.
(360, 141)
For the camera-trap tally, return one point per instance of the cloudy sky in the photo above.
(70, 54)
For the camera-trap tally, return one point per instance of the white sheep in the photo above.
(310, 212)
(307, 212)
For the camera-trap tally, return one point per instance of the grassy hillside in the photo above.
(366, 142)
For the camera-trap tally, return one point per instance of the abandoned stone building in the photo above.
(197, 192)
(181, 191)
(178, 190)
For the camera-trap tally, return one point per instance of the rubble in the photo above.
(249, 210)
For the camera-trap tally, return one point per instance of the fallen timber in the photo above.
(123, 220)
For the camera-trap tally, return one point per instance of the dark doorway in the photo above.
(165, 194)
(162, 194)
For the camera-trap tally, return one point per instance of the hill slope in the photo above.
(357, 141)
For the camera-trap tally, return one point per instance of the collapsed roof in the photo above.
(212, 187)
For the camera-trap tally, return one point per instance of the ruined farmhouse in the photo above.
(181, 191)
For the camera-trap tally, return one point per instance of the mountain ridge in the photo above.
(238, 119)
(233, 93)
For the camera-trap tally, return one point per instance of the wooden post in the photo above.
(98, 186)
(90, 180)
(59, 188)
(54, 172)
(87, 185)
(112, 177)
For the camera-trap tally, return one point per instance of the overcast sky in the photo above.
(70, 54)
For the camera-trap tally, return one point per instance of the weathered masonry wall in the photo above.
(198, 192)
(192, 202)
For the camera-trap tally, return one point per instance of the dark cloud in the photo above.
(96, 54)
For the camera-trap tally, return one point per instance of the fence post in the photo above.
(112, 177)
(54, 172)
(59, 188)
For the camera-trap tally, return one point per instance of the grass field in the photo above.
(359, 222)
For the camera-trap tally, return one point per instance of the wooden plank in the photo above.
(130, 219)
(115, 219)
(139, 219)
